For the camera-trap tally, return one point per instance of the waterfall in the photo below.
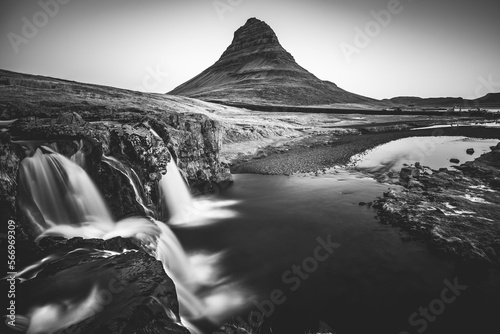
(63, 191)
(175, 192)
(186, 211)
(72, 205)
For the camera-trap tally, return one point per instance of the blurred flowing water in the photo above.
(279, 253)
(372, 275)
(373, 281)
(72, 206)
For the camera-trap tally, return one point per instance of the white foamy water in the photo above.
(73, 207)
(187, 211)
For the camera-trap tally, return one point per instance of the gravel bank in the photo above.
(322, 152)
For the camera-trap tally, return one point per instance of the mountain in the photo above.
(256, 70)
(490, 100)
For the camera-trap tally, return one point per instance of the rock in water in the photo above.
(407, 173)
(455, 161)
(470, 151)
(255, 69)
(92, 291)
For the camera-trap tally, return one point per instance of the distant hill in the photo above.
(491, 100)
(255, 69)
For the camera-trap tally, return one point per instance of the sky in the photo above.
(376, 48)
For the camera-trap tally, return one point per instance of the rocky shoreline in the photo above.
(318, 153)
(456, 212)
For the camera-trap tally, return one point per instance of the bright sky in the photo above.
(426, 48)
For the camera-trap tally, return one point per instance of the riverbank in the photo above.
(320, 152)
(456, 212)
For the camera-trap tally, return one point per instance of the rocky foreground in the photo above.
(457, 212)
(126, 286)
(113, 286)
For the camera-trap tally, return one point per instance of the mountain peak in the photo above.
(257, 36)
(255, 69)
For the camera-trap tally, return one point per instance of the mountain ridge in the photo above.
(256, 69)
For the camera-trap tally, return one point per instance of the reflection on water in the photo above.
(373, 275)
(434, 152)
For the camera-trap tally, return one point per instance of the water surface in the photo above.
(434, 152)
(373, 279)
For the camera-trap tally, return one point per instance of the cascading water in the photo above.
(72, 206)
(186, 211)
(63, 192)
(175, 193)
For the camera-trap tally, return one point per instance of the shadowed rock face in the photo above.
(111, 115)
(134, 293)
(256, 69)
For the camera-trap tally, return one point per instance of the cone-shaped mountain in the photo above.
(255, 69)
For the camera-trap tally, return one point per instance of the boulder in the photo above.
(407, 173)
(131, 292)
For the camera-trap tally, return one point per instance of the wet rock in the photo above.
(132, 292)
(495, 183)
(232, 329)
(414, 184)
(457, 214)
(470, 151)
(455, 161)
(10, 156)
(409, 172)
(50, 245)
(390, 194)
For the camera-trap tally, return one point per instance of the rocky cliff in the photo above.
(183, 125)
(124, 141)
(256, 70)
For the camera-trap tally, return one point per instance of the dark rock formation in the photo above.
(94, 125)
(407, 173)
(10, 155)
(94, 120)
(256, 70)
(132, 292)
(182, 123)
(454, 211)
